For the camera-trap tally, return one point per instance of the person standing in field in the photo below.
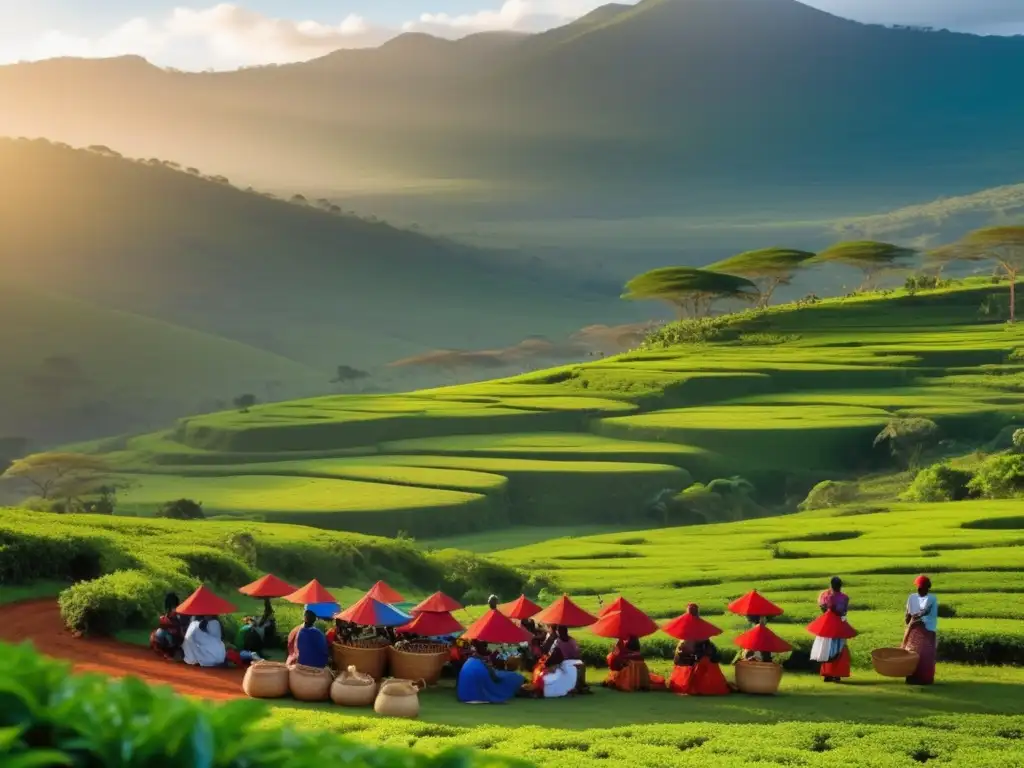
(833, 653)
(922, 618)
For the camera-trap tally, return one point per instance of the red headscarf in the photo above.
(922, 581)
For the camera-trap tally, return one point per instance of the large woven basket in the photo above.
(353, 689)
(894, 662)
(418, 661)
(399, 698)
(310, 683)
(368, 656)
(266, 680)
(759, 677)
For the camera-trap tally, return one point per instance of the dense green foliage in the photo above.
(51, 718)
(121, 568)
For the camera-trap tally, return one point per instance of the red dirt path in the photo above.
(39, 621)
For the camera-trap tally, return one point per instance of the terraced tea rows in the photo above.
(785, 399)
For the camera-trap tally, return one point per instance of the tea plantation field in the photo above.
(973, 551)
(784, 398)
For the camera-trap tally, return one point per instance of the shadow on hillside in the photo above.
(867, 702)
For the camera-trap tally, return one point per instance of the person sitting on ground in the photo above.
(559, 671)
(694, 671)
(258, 633)
(204, 645)
(311, 643)
(341, 632)
(532, 650)
(754, 655)
(480, 683)
(627, 670)
(167, 638)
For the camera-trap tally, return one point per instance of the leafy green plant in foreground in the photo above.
(51, 718)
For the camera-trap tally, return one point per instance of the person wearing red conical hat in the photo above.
(259, 632)
(694, 670)
(832, 652)
(203, 645)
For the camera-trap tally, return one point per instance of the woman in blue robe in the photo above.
(480, 683)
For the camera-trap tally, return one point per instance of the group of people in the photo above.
(551, 657)
(199, 640)
(920, 633)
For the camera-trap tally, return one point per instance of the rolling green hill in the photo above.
(842, 112)
(73, 370)
(309, 288)
(784, 399)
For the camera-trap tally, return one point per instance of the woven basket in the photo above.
(760, 677)
(369, 657)
(310, 683)
(894, 662)
(418, 661)
(353, 689)
(266, 680)
(399, 698)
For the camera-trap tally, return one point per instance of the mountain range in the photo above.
(668, 105)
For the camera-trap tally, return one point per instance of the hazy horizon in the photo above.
(228, 36)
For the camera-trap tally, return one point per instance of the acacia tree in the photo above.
(58, 475)
(691, 292)
(768, 268)
(869, 256)
(1003, 246)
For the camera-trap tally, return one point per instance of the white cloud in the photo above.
(225, 36)
(229, 35)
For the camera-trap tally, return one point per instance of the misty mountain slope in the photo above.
(666, 105)
(72, 370)
(315, 287)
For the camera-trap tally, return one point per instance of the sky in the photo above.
(204, 34)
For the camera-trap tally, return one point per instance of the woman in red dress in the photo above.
(833, 654)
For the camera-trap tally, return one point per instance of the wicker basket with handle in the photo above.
(266, 680)
(353, 689)
(310, 683)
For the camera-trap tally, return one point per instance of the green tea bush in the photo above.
(181, 509)
(940, 482)
(1000, 477)
(51, 718)
(829, 494)
(121, 568)
(1018, 440)
(699, 330)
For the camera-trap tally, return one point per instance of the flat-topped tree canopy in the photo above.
(768, 268)
(1003, 246)
(689, 290)
(869, 256)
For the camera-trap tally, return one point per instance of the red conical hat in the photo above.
(753, 604)
(829, 625)
(521, 608)
(381, 592)
(431, 624)
(495, 627)
(311, 594)
(625, 623)
(691, 627)
(615, 605)
(565, 613)
(438, 602)
(268, 587)
(762, 639)
(203, 602)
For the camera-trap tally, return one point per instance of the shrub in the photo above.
(1000, 477)
(907, 438)
(1018, 440)
(51, 718)
(829, 494)
(181, 509)
(698, 330)
(940, 482)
